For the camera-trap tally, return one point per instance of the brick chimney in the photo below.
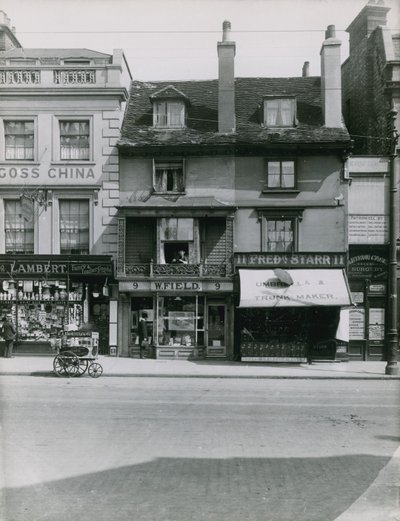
(331, 87)
(226, 81)
(367, 20)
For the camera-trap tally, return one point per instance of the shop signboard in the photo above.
(367, 265)
(44, 175)
(53, 268)
(175, 286)
(287, 260)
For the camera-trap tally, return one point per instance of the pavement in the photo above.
(134, 367)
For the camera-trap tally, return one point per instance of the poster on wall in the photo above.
(376, 324)
(368, 229)
(357, 323)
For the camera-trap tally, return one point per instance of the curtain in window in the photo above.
(176, 229)
(272, 107)
(279, 112)
(169, 178)
(19, 139)
(74, 140)
(279, 235)
(74, 226)
(18, 231)
(273, 174)
(286, 112)
(287, 174)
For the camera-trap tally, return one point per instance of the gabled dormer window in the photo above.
(169, 106)
(279, 112)
(169, 114)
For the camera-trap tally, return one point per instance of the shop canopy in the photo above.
(293, 288)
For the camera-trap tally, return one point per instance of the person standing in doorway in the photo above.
(143, 338)
(8, 332)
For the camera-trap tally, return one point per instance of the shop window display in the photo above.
(287, 332)
(180, 321)
(45, 310)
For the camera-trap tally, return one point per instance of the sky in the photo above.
(177, 39)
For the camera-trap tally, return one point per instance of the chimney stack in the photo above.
(306, 70)
(226, 81)
(8, 38)
(331, 81)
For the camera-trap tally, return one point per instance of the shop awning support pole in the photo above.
(392, 333)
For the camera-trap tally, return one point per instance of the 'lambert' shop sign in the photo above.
(41, 174)
(18, 268)
(296, 260)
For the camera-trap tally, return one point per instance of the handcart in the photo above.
(77, 354)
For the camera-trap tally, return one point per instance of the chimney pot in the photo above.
(330, 32)
(306, 69)
(226, 30)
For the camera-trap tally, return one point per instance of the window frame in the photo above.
(280, 99)
(13, 198)
(168, 163)
(86, 195)
(294, 216)
(168, 114)
(280, 188)
(16, 119)
(57, 138)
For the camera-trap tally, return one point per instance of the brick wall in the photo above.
(364, 103)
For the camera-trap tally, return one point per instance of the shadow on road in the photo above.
(182, 489)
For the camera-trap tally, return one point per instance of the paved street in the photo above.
(147, 449)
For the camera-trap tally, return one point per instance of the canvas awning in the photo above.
(303, 287)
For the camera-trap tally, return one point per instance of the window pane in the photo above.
(168, 177)
(18, 231)
(280, 237)
(175, 114)
(286, 112)
(74, 226)
(74, 140)
(19, 139)
(273, 174)
(271, 112)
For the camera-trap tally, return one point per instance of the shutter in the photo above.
(140, 240)
(215, 240)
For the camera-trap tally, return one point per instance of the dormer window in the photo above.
(279, 112)
(169, 114)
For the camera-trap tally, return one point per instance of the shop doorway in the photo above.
(216, 328)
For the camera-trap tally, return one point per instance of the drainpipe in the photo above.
(392, 333)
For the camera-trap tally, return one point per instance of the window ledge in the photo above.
(280, 191)
(169, 128)
(19, 162)
(67, 162)
(168, 193)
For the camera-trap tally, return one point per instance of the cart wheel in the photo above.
(83, 365)
(95, 370)
(59, 365)
(68, 362)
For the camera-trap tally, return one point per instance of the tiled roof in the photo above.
(202, 114)
(53, 53)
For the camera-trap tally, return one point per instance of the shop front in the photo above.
(185, 319)
(293, 311)
(51, 295)
(368, 276)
